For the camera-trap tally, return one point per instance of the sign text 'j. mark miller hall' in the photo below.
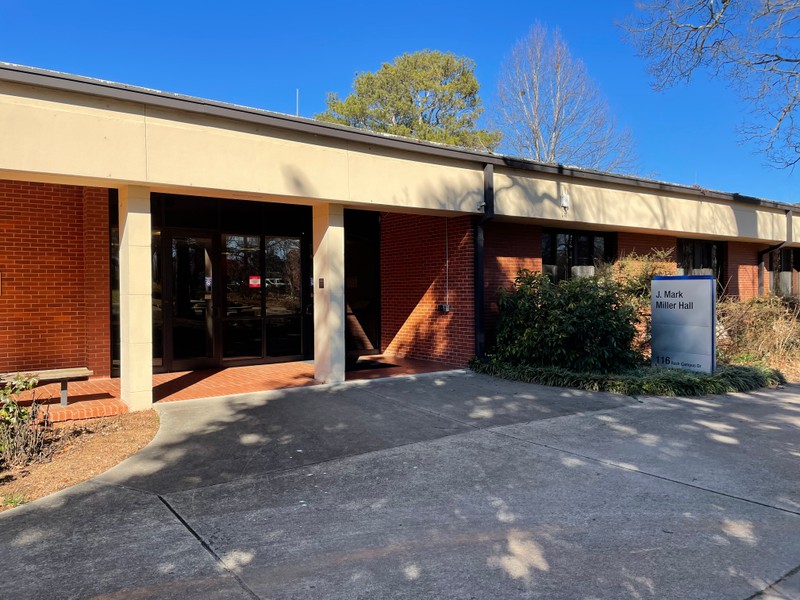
(683, 309)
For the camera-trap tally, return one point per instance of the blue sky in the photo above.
(259, 53)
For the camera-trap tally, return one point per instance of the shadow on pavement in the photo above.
(438, 486)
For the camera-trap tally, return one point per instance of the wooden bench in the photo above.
(51, 375)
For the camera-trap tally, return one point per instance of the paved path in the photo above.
(437, 486)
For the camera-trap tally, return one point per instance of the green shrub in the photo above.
(580, 324)
(639, 381)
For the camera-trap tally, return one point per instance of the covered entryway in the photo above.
(232, 283)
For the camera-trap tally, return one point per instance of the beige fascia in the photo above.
(619, 208)
(70, 137)
(76, 138)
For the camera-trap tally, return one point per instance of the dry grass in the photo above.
(84, 450)
(763, 331)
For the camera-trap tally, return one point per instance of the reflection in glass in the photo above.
(191, 298)
(567, 254)
(242, 275)
(583, 251)
(158, 311)
(282, 286)
(283, 277)
(242, 328)
(563, 255)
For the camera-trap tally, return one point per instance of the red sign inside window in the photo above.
(255, 281)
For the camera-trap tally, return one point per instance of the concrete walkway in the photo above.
(447, 485)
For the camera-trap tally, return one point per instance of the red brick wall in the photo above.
(97, 308)
(53, 311)
(741, 270)
(628, 243)
(508, 248)
(413, 283)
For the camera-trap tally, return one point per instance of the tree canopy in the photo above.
(754, 44)
(428, 95)
(550, 110)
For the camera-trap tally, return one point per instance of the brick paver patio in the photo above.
(100, 397)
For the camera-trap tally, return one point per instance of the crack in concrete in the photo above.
(207, 547)
(771, 586)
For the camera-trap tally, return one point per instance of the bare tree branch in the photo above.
(753, 44)
(550, 110)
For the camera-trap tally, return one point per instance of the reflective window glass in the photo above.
(242, 275)
(283, 280)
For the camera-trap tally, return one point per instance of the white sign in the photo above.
(683, 326)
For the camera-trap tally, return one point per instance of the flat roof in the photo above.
(119, 91)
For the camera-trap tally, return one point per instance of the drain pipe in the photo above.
(446, 265)
(763, 253)
(479, 236)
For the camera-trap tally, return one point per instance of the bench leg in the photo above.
(63, 392)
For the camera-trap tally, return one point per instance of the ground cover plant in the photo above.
(23, 436)
(593, 334)
(640, 381)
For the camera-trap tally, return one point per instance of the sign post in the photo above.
(684, 322)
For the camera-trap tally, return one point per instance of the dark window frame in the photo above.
(555, 240)
(713, 255)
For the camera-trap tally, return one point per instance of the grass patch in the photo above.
(640, 381)
(13, 500)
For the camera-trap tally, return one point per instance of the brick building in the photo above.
(142, 231)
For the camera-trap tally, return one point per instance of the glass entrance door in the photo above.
(263, 300)
(242, 320)
(192, 305)
(232, 299)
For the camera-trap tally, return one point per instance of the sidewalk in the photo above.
(448, 485)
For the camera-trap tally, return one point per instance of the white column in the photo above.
(135, 298)
(329, 352)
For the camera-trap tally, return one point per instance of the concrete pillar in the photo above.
(329, 351)
(135, 298)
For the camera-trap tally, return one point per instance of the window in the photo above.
(568, 254)
(783, 263)
(702, 257)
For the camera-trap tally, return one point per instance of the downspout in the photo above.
(479, 261)
(763, 253)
